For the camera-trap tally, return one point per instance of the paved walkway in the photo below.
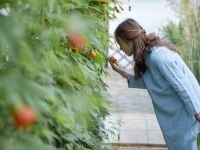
(132, 114)
(127, 100)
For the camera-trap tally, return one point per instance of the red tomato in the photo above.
(77, 41)
(24, 116)
(113, 60)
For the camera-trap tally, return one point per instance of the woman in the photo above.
(173, 88)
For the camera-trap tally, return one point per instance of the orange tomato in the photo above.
(92, 54)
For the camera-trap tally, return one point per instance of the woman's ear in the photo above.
(131, 44)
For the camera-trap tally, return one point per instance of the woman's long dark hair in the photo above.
(130, 30)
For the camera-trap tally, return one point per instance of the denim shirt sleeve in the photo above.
(132, 83)
(172, 72)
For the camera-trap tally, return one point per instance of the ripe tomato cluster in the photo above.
(78, 42)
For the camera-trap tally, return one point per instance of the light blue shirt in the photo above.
(175, 95)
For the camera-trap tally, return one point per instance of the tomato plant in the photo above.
(44, 48)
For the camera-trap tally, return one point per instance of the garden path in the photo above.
(134, 110)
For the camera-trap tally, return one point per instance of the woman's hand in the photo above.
(117, 69)
(197, 116)
(114, 66)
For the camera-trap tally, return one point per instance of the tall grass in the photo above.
(186, 35)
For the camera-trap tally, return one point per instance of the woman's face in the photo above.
(127, 48)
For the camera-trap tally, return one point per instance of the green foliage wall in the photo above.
(38, 68)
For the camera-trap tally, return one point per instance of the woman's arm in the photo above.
(118, 70)
(132, 83)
